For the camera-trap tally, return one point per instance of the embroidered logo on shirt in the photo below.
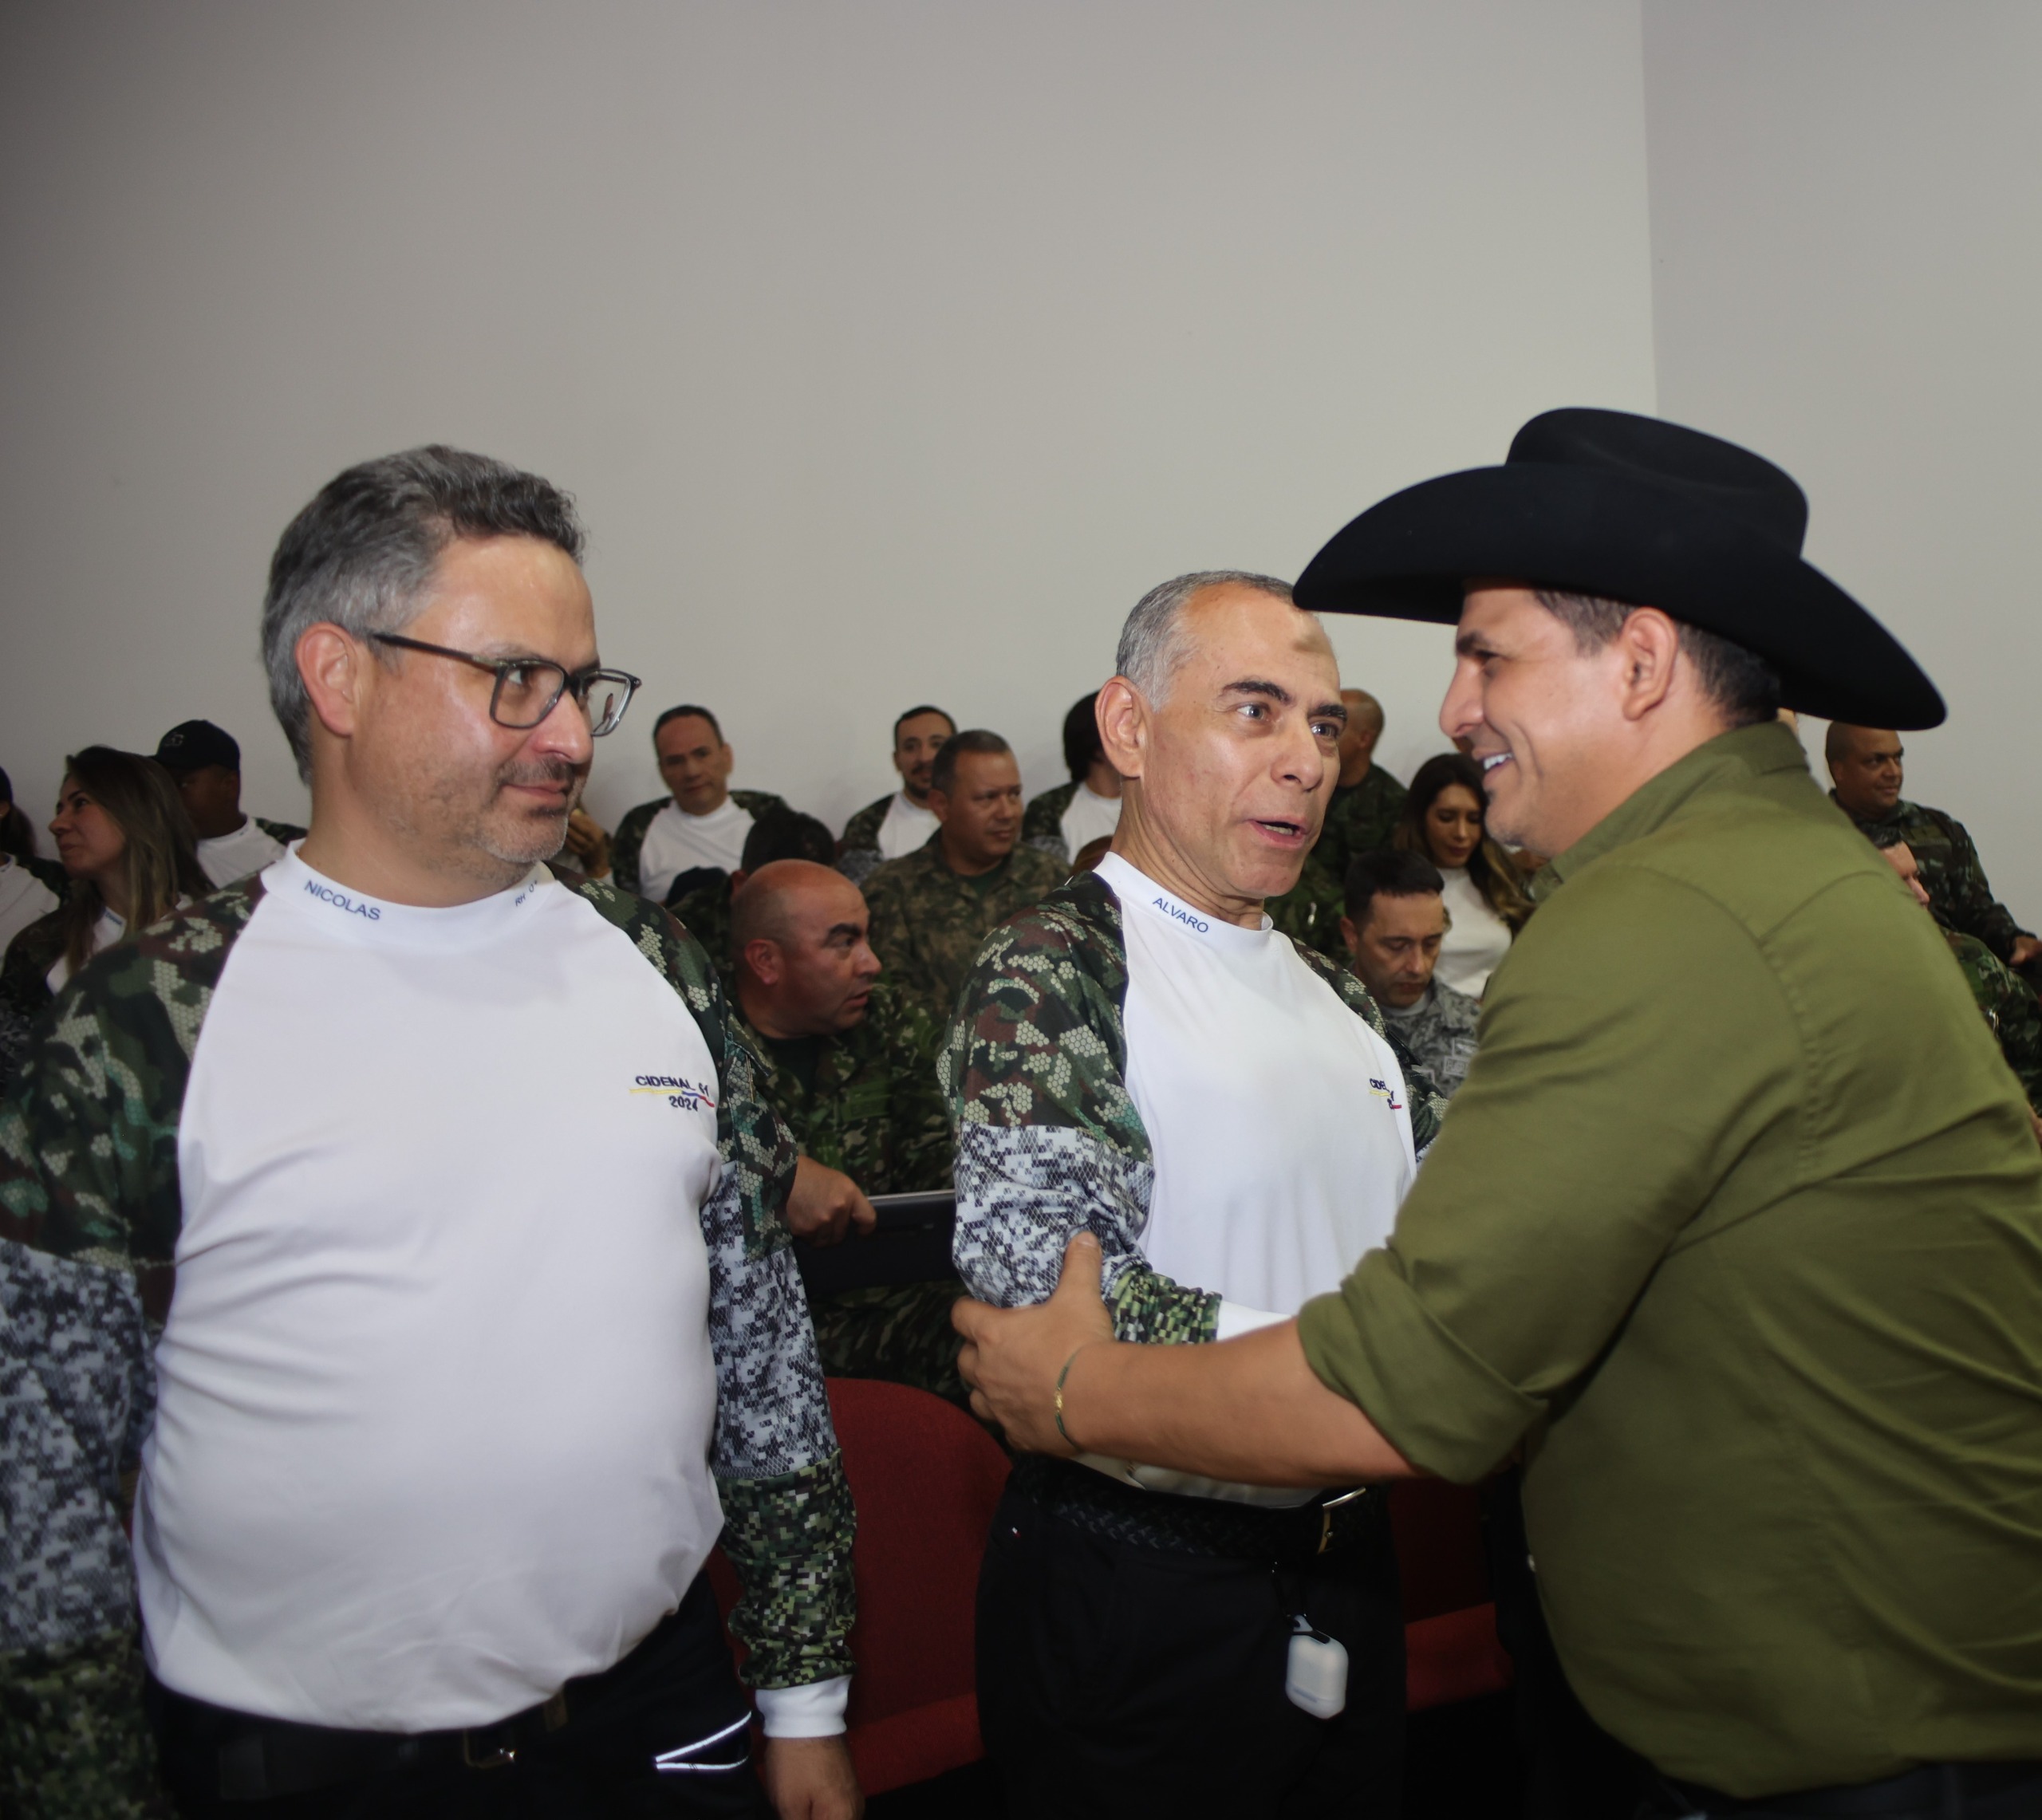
(340, 900)
(1382, 1090)
(1178, 913)
(690, 1096)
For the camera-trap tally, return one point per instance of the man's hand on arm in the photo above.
(811, 1778)
(1249, 1410)
(824, 1204)
(2025, 949)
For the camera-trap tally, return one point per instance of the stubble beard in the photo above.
(523, 839)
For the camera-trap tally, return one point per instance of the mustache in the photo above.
(543, 772)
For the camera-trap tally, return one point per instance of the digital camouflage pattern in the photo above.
(928, 921)
(25, 972)
(1042, 821)
(859, 855)
(1439, 1031)
(1951, 871)
(629, 841)
(2009, 1006)
(1048, 1138)
(90, 1210)
(282, 832)
(1360, 818)
(874, 1112)
(705, 914)
(72, 1745)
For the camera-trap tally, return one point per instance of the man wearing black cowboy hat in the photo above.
(1736, 1229)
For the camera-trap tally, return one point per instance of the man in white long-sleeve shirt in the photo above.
(1142, 1056)
(443, 1431)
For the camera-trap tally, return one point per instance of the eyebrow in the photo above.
(851, 929)
(1277, 692)
(1474, 644)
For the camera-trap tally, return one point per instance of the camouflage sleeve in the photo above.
(1041, 823)
(2009, 1007)
(887, 931)
(918, 1122)
(87, 1196)
(1048, 1140)
(858, 863)
(788, 1520)
(627, 843)
(1969, 901)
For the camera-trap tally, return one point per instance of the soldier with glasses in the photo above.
(436, 1433)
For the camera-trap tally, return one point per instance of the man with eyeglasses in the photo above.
(437, 1433)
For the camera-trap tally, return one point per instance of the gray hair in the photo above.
(1740, 683)
(1153, 644)
(361, 555)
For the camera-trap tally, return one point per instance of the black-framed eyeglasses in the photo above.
(528, 689)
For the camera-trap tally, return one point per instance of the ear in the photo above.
(1123, 717)
(761, 954)
(333, 668)
(939, 805)
(1349, 934)
(1648, 644)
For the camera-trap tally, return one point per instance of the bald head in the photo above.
(1357, 739)
(1865, 766)
(804, 966)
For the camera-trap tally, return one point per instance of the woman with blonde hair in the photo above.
(127, 845)
(1446, 819)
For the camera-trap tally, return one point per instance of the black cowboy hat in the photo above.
(1632, 509)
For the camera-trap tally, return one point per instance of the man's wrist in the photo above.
(814, 1710)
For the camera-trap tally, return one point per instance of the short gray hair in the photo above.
(361, 554)
(1740, 683)
(1152, 643)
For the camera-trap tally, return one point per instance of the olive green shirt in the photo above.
(1737, 1223)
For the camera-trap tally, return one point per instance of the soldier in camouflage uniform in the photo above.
(1866, 765)
(145, 1113)
(898, 823)
(705, 912)
(695, 761)
(1394, 924)
(1100, 1036)
(2007, 1003)
(1367, 802)
(930, 910)
(850, 1067)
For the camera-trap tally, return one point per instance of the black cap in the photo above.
(192, 745)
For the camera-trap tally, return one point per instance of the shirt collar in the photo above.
(1724, 762)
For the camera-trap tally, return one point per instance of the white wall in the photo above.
(1847, 233)
(892, 349)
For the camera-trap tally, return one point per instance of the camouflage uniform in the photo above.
(1048, 1138)
(1359, 820)
(928, 921)
(1309, 911)
(1439, 1030)
(282, 832)
(1041, 823)
(629, 839)
(873, 1111)
(2010, 1008)
(705, 914)
(90, 1210)
(859, 855)
(1951, 873)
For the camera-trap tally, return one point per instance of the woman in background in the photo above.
(1486, 904)
(127, 846)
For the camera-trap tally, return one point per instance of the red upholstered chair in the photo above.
(1451, 1649)
(925, 1478)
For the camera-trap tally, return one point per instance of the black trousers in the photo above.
(1123, 1680)
(675, 1691)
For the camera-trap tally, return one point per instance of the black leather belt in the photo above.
(1332, 1524)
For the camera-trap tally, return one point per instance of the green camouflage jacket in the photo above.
(629, 839)
(90, 1210)
(859, 855)
(1951, 873)
(1048, 1138)
(928, 921)
(1309, 911)
(1439, 1031)
(2009, 1005)
(282, 832)
(874, 1110)
(1359, 820)
(1042, 821)
(705, 914)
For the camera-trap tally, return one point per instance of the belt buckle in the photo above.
(502, 1757)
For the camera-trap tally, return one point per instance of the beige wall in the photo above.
(1846, 234)
(892, 349)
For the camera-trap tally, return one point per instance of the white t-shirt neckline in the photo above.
(1137, 891)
